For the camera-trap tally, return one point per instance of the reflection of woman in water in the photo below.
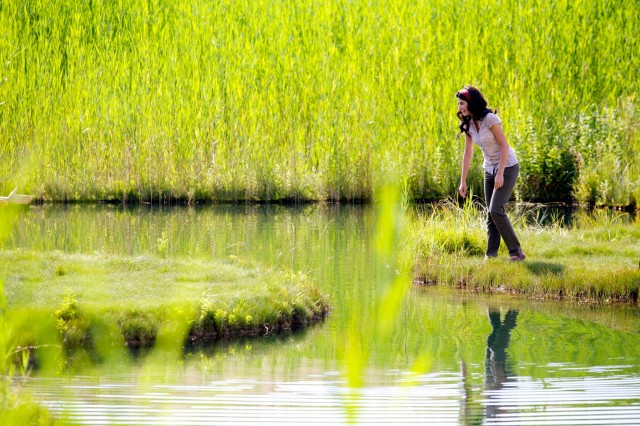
(497, 368)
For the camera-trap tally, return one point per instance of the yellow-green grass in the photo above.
(165, 100)
(139, 297)
(596, 259)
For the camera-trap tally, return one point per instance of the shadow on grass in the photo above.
(545, 268)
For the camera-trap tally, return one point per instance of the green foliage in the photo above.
(138, 327)
(163, 245)
(273, 308)
(548, 174)
(447, 228)
(459, 242)
(607, 143)
(73, 326)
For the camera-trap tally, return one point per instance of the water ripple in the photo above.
(430, 399)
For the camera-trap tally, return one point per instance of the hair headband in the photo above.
(464, 94)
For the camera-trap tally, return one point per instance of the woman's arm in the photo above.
(504, 154)
(466, 163)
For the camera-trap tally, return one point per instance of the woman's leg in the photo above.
(493, 235)
(497, 212)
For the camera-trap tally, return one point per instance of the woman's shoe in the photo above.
(517, 257)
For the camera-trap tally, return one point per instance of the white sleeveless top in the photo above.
(487, 142)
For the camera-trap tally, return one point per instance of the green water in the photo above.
(450, 358)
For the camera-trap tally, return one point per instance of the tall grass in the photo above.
(312, 100)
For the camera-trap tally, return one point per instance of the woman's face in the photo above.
(462, 107)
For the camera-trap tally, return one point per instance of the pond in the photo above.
(450, 358)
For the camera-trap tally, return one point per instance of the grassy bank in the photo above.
(596, 258)
(312, 100)
(85, 301)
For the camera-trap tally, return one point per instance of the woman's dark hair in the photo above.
(476, 104)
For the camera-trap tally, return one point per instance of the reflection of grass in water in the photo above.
(595, 259)
(573, 335)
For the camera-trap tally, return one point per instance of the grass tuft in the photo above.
(594, 260)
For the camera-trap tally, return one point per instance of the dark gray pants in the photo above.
(498, 224)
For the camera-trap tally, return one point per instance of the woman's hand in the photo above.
(462, 189)
(498, 181)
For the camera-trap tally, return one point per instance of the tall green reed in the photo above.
(302, 100)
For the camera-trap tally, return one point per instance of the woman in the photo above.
(483, 127)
